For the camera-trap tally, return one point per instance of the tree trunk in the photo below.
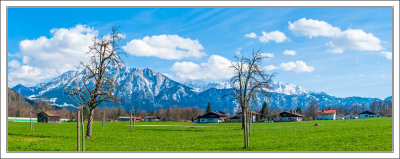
(90, 123)
(243, 119)
(78, 128)
(246, 137)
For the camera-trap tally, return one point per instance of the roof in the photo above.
(333, 111)
(150, 117)
(253, 112)
(50, 113)
(368, 112)
(235, 117)
(289, 114)
(210, 115)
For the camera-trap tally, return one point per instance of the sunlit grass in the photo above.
(339, 135)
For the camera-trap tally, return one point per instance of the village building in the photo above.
(151, 118)
(326, 115)
(256, 116)
(209, 118)
(286, 116)
(339, 117)
(350, 116)
(368, 114)
(48, 117)
(127, 118)
(235, 118)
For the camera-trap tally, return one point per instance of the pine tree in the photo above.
(265, 110)
(299, 111)
(208, 110)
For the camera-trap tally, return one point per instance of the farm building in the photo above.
(151, 118)
(326, 115)
(286, 116)
(126, 118)
(48, 117)
(350, 116)
(339, 117)
(235, 118)
(256, 115)
(209, 118)
(368, 114)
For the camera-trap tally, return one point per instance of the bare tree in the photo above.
(97, 85)
(248, 81)
(311, 111)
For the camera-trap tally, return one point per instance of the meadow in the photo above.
(338, 135)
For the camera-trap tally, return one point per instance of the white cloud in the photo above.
(387, 54)
(267, 55)
(270, 67)
(312, 28)
(238, 51)
(48, 57)
(289, 52)
(276, 36)
(217, 67)
(165, 47)
(352, 39)
(298, 66)
(355, 39)
(251, 35)
(14, 64)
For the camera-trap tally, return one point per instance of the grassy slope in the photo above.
(344, 135)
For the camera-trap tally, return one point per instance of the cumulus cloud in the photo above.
(251, 35)
(47, 57)
(14, 64)
(165, 46)
(267, 55)
(355, 39)
(289, 52)
(312, 28)
(387, 54)
(298, 66)
(352, 39)
(276, 36)
(270, 67)
(217, 67)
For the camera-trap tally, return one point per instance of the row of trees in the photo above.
(384, 108)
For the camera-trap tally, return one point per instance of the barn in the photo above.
(48, 117)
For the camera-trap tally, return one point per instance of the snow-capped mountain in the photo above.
(200, 86)
(147, 89)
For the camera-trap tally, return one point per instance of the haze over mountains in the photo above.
(147, 89)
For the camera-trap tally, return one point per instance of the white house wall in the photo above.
(326, 117)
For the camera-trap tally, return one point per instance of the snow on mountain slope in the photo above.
(147, 89)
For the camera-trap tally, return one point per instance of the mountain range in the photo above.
(146, 89)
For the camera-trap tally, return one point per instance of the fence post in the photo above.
(130, 122)
(78, 128)
(104, 119)
(31, 121)
(134, 120)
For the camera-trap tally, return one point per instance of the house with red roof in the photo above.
(326, 115)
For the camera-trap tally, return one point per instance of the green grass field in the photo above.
(339, 135)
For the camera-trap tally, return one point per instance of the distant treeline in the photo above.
(18, 106)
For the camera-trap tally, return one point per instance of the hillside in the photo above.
(18, 106)
(147, 89)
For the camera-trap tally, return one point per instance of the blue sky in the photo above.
(341, 51)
